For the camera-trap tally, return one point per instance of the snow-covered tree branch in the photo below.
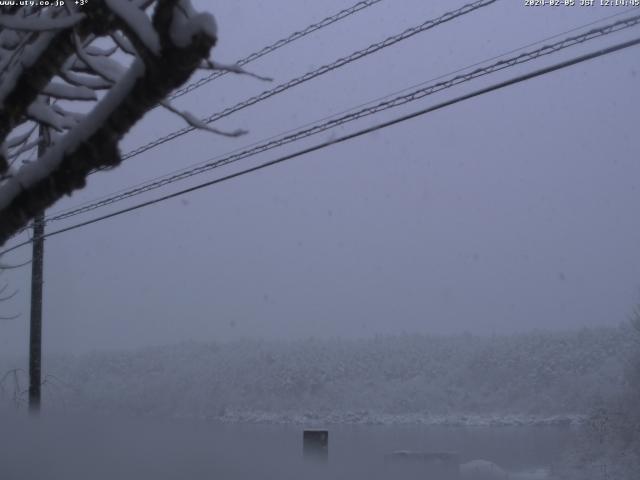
(88, 74)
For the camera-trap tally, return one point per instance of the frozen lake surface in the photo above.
(73, 448)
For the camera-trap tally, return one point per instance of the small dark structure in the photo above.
(315, 444)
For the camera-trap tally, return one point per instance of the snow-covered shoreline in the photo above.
(408, 419)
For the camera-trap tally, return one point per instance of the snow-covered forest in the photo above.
(609, 445)
(528, 378)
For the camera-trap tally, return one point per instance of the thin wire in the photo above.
(341, 62)
(397, 101)
(279, 44)
(342, 112)
(351, 136)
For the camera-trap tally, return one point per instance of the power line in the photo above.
(375, 47)
(279, 44)
(351, 136)
(355, 115)
(415, 95)
(116, 195)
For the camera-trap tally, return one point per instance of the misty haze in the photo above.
(372, 239)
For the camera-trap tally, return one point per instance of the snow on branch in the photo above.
(232, 68)
(101, 52)
(29, 68)
(69, 92)
(69, 58)
(122, 43)
(41, 113)
(138, 23)
(108, 69)
(186, 23)
(93, 82)
(195, 122)
(20, 139)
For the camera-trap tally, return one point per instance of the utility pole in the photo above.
(35, 329)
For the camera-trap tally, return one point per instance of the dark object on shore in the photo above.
(315, 444)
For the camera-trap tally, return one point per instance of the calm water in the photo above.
(71, 448)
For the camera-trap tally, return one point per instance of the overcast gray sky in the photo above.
(512, 211)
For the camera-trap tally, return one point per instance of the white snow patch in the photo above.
(138, 21)
(107, 68)
(84, 80)
(187, 23)
(69, 92)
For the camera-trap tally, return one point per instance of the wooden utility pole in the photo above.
(35, 335)
(35, 329)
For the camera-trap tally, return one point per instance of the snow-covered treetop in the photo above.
(87, 74)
